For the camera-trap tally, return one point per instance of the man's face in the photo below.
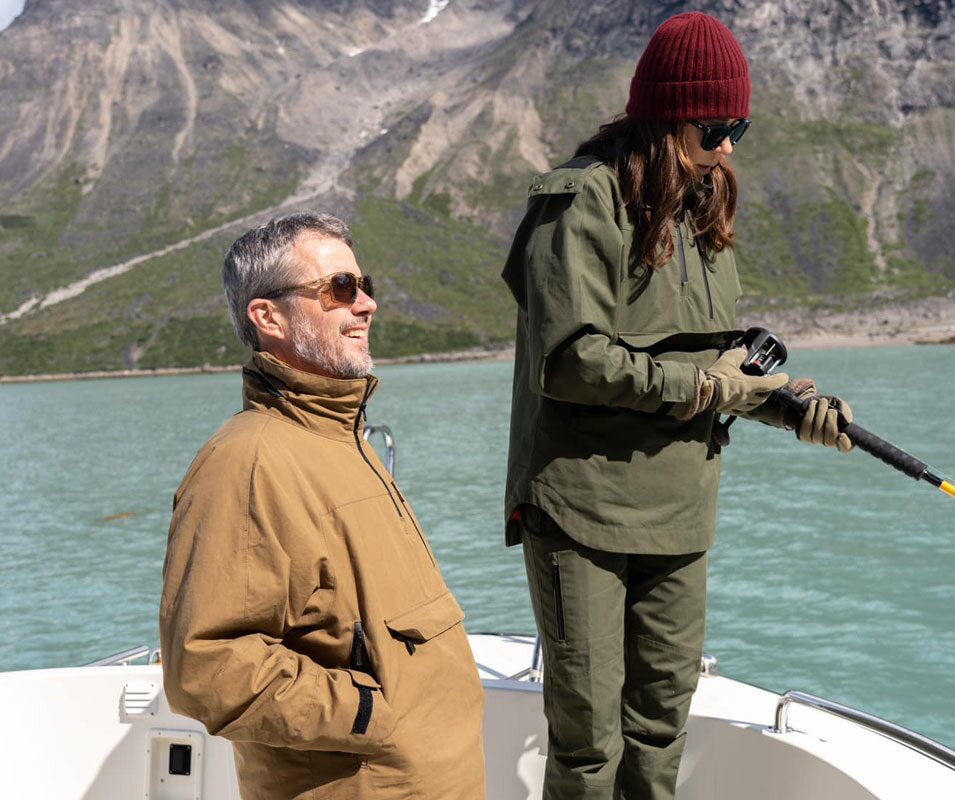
(333, 341)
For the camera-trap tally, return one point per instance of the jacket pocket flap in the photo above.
(363, 679)
(428, 619)
(656, 344)
(641, 341)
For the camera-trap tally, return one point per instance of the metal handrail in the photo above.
(709, 666)
(124, 657)
(385, 432)
(535, 672)
(922, 744)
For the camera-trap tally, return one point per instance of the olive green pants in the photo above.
(622, 638)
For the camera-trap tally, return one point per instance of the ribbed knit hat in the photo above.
(692, 69)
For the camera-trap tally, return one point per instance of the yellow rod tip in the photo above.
(947, 488)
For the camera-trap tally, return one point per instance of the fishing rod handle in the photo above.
(861, 438)
(881, 449)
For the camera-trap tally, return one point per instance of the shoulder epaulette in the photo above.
(568, 178)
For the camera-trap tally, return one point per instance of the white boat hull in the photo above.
(105, 732)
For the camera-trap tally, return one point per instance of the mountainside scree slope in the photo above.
(138, 139)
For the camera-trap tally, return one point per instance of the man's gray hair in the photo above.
(260, 262)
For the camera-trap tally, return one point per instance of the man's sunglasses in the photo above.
(713, 135)
(340, 288)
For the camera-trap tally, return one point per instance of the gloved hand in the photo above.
(772, 413)
(726, 390)
(820, 425)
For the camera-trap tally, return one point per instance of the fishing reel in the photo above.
(764, 352)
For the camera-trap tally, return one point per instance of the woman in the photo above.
(624, 275)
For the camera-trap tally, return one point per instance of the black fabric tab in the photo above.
(365, 704)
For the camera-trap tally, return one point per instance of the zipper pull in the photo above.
(358, 648)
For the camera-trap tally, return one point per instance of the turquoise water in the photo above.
(833, 575)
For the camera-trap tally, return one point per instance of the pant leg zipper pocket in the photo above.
(558, 601)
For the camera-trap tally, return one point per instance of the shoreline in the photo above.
(809, 341)
(477, 354)
(929, 321)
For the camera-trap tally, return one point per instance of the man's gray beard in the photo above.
(326, 356)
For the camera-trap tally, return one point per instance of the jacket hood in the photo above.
(329, 406)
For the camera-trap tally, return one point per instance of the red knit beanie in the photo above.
(692, 69)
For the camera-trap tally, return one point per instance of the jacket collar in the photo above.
(329, 406)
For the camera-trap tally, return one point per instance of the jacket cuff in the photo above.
(682, 389)
(373, 721)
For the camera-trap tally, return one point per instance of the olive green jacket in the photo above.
(608, 351)
(303, 616)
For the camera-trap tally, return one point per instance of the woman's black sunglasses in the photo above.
(340, 288)
(713, 135)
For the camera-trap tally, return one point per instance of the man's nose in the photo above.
(364, 304)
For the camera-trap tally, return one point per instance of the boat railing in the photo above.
(389, 440)
(126, 657)
(535, 672)
(897, 733)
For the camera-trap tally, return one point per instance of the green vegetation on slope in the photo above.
(167, 312)
(66, 226)
(437, 280)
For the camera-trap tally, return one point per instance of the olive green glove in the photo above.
(820, 425)
(727, 390)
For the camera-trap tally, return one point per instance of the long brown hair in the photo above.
(655, 176)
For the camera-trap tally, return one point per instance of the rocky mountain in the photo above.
(137, 139)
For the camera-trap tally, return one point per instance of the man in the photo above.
(303, 616)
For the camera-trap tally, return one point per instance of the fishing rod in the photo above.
(874, 445)
(765, 352)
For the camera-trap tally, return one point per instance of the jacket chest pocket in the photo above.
(725, 288)
(379, 559)
(654, 300)
(690, 293)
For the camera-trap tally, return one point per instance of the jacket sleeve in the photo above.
(567, 264)
(223, 614)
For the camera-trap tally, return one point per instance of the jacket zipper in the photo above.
(706, 280)
(358, 660)
(358, 419)
(684, 277)
(411, 518)
(358, 441)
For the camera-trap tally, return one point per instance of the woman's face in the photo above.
(704, 160)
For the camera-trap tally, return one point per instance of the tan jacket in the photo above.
(303, 616)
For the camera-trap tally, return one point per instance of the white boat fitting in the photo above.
(105, 732)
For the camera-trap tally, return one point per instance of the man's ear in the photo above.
(268, 319)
